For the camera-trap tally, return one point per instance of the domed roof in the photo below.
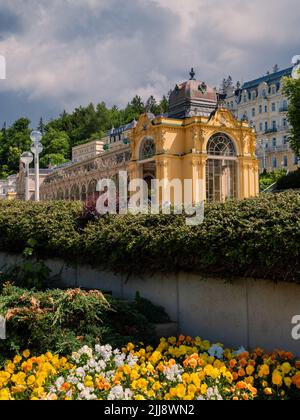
(192, 98)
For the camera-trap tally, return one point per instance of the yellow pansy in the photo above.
(17, 360)
(203, 389)
(5, 394)
(156, 386)
(276, 378)
(26, 354)
(286, 368)
(180, 391)
(31, 380)
(288, 382)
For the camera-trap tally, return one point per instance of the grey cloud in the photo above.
(76, 51)
(10, 23)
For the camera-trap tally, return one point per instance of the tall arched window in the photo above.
(75, 193)
(60, 194)
(92, 193)
(221, 168)
(221, 145)
(83, 193)
(147, 149)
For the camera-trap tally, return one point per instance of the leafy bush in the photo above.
(28, 274)
(151, 312)
(63, 321)
(291, 181)
(267, 179)
(258, 237)
(51, 228)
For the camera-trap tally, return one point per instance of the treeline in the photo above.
(69, 130)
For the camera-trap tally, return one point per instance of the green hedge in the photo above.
(257, 237)
(290, 181)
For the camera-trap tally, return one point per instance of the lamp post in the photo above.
(264, 158)
(27, 159)
(36, 149)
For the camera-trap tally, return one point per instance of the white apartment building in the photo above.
(261, 102)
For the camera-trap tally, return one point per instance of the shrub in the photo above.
(290, 181)
(63, 321)
(151, 312)
(267, 179)
(257, 237)
(28, 274)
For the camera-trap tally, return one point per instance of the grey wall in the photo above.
(243, 312)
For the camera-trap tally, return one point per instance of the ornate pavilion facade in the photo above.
(198, 140)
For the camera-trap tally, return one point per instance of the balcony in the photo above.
(273, 149)
(271, 130)
(284, 109)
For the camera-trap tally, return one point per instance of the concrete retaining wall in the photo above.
(242, 312)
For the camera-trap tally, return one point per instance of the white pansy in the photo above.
(173, 373)
(59, 383)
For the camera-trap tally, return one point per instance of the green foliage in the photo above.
(13, 142)
(69, 130)
(63, 321)
(28, 274)
(291, 181)
(292, 90)
(51, 227)
(153, 313)
(269, 178)
(258, 237)
(57, 148)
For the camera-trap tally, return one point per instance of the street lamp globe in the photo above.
(36, 137)
(26, 158)
(37, 148)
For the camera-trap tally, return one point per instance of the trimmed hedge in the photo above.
(290, 181)
(257, 237)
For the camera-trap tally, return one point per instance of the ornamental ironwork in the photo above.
(221, 145)
(147, 150)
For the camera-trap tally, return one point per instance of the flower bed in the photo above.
(183, 369)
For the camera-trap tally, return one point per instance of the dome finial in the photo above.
(192, 74)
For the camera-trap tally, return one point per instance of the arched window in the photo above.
(221, 145)
(60, 194)
(92, 193)
(83, 193)
(147, 149)
(221, 169)
(75, 193)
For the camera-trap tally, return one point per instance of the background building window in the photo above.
(274, 162)
(273, 107)
(285, 161)
(253, 112)
(274, 142)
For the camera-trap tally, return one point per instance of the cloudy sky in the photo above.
(64, 53)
